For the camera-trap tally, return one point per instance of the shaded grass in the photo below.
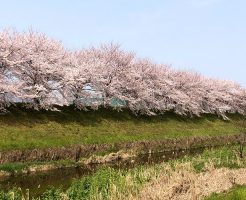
(27, 129)
(237, 193)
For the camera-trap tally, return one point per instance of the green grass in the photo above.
(13, 167)
(226, 156)
(27, 129)
(19, 166)
(237, 193)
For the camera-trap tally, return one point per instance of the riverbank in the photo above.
(41, 141)
(120, 158)
(222, 165)
(23, 129)
(83, 151)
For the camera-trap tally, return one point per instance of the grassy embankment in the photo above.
(109, 183)
(26, 129)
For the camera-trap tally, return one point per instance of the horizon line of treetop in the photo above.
(41, 73)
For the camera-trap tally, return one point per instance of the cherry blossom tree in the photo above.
(81, 72)
(41, 73)
(37, 63)
(112, 67)
(104, 68)
(8, 86)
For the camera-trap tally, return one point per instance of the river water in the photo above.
(37, 183)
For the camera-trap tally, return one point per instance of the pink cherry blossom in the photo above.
(41, 73)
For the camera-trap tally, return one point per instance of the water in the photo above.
(39, 182)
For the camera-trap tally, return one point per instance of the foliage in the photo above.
(15, 194)
(52, 194)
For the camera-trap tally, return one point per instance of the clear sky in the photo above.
(208, 36)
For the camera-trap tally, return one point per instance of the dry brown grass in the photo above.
(184, 183)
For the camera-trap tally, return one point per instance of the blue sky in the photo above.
(208, 36)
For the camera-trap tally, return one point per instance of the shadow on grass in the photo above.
(69, 114)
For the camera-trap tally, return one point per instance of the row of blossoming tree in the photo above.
(41, 73)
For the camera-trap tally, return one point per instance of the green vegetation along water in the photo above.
(37, 183)
(129, 183)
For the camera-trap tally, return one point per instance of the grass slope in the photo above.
(22, 129)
